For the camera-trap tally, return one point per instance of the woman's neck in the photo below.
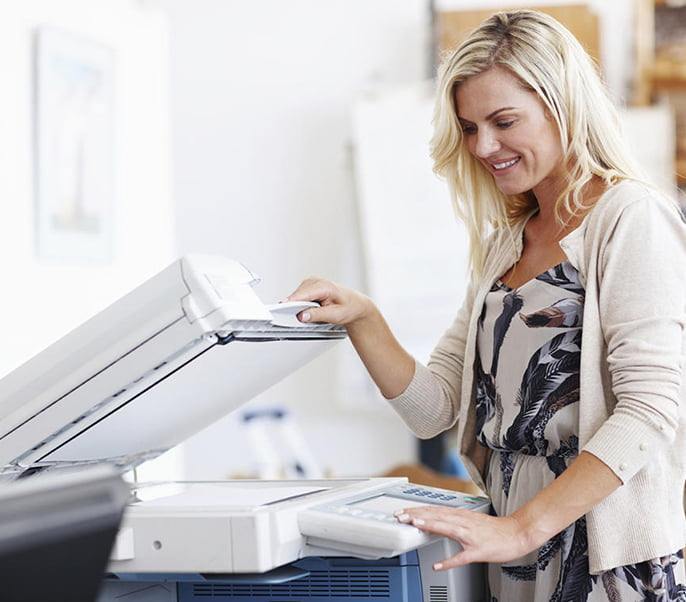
(545, 222)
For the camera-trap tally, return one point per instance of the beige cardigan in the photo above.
(630, 251)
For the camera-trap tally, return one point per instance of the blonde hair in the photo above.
(548, 60)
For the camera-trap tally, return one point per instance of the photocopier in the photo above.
(177, 353)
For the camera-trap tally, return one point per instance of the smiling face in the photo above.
(507, 129)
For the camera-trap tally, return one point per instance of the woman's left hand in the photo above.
(483, 538)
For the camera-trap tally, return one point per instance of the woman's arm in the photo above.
(426, 398)
(642, 313)
(485, 538)
(389, 365)
(585, 482)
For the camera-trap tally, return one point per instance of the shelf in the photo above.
(673, 82)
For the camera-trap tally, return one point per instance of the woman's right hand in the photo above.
(339, 305)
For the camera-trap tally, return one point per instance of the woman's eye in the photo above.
(468, 130)
(503, 125)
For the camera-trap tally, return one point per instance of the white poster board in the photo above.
(415, 249)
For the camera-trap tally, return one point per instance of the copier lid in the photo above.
(182, 350)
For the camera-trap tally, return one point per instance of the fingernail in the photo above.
(418, 521)
(403, 518)
(438, 566)
(306, 316)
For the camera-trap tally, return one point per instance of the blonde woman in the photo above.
(563, 368)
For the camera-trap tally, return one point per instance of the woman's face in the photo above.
(507, 129)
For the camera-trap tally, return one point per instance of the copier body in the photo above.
(267, 540)
(176, 354)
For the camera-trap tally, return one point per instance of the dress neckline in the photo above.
(504, 286)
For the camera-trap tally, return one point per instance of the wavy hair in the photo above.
(549, 61)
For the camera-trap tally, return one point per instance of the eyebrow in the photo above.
(490, 115)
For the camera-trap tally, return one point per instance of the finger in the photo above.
(436, 512)
(440, 527)
(327, 314)
(460, 559)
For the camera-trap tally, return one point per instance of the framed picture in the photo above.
(74, 148)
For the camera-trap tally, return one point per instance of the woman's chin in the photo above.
(511, 188)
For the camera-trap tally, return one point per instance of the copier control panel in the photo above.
(368, 520)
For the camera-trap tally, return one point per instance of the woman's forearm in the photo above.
(586, 482)
(389, 365)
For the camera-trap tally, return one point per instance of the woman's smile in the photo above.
(502, 167)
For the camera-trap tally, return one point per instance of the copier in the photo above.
(177, 353)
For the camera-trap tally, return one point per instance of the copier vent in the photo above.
(340, 585)
(438, 593)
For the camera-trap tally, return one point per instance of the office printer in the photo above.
(173, 356)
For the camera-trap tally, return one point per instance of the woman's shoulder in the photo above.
(635, 201)
(628, 192)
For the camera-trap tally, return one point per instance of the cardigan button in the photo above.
(622, 466)
(643, 447)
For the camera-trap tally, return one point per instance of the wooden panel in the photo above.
(421, 475)
(454, 26)
(644, 51)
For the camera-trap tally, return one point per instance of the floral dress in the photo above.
(527, 370)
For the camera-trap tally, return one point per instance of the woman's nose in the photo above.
(486, 144)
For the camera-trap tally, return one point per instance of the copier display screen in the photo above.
(387, 504)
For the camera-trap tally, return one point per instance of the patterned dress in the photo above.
(527, 369)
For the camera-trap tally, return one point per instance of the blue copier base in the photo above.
(396, 579)
(339, 579)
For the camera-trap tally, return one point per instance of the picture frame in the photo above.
(74, 148)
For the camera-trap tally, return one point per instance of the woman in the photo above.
(563, 368)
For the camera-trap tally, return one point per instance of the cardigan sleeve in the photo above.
(430, 403)
(642, 308)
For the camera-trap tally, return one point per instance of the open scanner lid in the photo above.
(183, 349)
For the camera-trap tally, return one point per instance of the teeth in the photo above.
(506, 164)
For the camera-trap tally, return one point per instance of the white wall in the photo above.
(416, 251)
(261, 106)
(42, 302)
